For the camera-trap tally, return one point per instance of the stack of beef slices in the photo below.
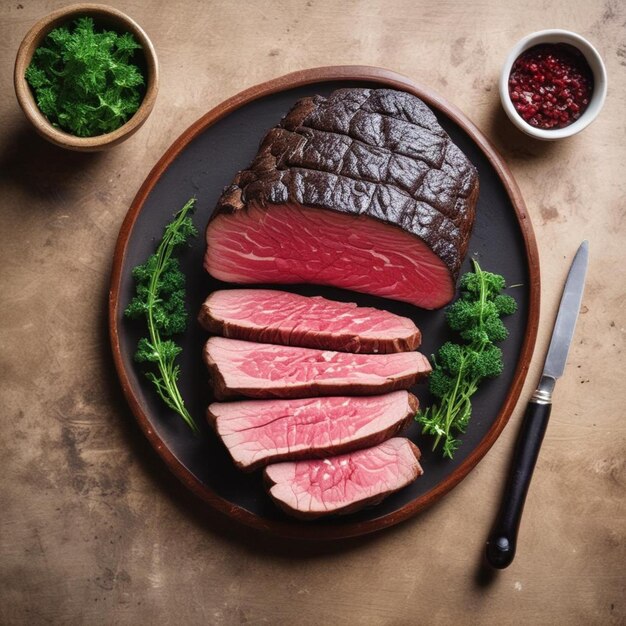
(362, 190)
(326, 384)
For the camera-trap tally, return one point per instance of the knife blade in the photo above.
(502, 542)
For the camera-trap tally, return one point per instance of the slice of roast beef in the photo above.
(258, 432)
(262, 370)
(345, 483)
(361, 190)
(290, 319)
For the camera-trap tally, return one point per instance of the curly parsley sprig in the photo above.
(84, 81)
(458, 369)
(160, 300)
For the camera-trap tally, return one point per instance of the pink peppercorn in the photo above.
(550, 85)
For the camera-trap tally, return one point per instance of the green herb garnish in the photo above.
(458, 369)
(84, 81)
(161, 300)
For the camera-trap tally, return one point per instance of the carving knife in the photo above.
(500, 549)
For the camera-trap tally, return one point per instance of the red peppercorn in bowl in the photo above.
(553, 84)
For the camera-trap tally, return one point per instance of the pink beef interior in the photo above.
(257, 430)
(274, 316)
(297, 244)
(249, 365)
(322, 486)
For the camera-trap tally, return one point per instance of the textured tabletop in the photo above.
(94, 529)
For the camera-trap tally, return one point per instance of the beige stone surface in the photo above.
(94, 530)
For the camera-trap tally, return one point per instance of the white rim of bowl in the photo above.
(596, 64)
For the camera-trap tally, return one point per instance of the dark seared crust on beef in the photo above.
(215, 377)
(379, 153)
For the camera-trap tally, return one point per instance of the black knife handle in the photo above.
(502, 541)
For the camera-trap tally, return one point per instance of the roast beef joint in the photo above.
(361, 190)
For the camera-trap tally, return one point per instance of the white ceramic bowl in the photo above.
(599, 77)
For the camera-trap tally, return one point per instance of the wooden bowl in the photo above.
(110, 18)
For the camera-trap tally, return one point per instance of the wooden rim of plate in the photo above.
(386, 78)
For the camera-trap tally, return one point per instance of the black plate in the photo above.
(500, 241)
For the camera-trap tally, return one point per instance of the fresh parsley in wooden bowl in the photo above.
(86, 77)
